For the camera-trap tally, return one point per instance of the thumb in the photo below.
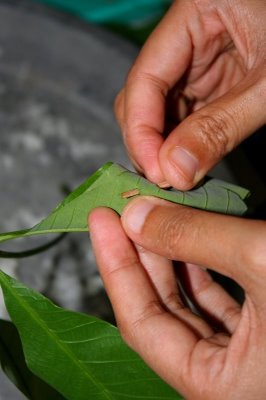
(207, 135)
(183, 234)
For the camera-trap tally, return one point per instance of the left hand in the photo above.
(196, 90)
(218, 355)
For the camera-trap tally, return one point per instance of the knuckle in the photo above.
(173, 232)
(126, 333)
(132, 330)
(254, 257)
(214, 133)
(173, 302)
(155, 81)
(118, 103)
(115, 268)
(230, 314)
(204, 285)
(152, 309)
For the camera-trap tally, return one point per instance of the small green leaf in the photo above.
(13, 364)
(80, 356)
(104, 188)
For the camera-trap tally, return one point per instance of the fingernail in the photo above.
(135, 214)
(184, 161)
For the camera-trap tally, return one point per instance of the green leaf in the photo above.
(13, 364)
(80, 356)
(104, 188)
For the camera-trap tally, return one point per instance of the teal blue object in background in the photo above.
(134, 19)
(119, 11)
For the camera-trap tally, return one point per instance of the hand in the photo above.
(213, 53)
(218, 355)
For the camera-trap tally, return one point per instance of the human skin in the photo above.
(212, 52)
(220, 354)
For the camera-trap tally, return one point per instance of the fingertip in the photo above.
(151, 170)
(149, 167)
(118, 106)
(143, 145)
(180, 167)
(135, 214)
(98, 217)
(155, 174)
(93, 217)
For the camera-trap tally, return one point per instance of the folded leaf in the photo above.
(80, 356)
(106, 188)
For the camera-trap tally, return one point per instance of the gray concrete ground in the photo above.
(58, 80)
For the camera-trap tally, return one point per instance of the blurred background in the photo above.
(61, 64)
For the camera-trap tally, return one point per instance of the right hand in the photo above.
(220, 354)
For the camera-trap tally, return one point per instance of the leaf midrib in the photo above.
(67, 351)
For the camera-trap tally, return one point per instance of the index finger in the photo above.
(163, 341)
(160, 65)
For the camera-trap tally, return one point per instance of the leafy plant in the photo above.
(76, 356)
(79, 355)
(13, 364)
(106, 188)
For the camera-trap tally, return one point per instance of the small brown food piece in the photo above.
(130, 193)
